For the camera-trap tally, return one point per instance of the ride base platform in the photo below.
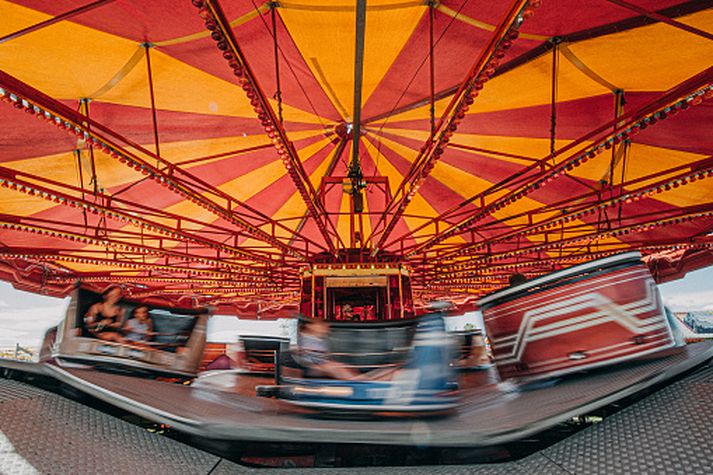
(667, 431)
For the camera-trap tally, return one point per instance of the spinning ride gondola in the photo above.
(421, 383)
(256, 354)
(595, 314)
(174, 348)
(372, 328)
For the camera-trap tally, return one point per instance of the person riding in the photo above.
(103, 319)
(139, 327)
(347, 312)
(314, 352)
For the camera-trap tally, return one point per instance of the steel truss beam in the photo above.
(336, 155)
(170, 285)
(24, 96)
(161, 282)
(478, 283)
(544, 263)
(590, 204)
(207, 292)
(61, 230)
(538, 175)
(53, 257)
(235, 298)
(216, 22)
(133, 213)
(482, 69)
(580, 242)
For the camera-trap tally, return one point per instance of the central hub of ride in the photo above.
(356, 286)
(342, 131)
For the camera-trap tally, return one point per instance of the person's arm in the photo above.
(313, 349)
(90, 318)
(116, 325)
(148, 333)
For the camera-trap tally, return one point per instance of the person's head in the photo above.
(141, 313)
(517, 279)
(112, 294)
(318, 328)
(347, 312)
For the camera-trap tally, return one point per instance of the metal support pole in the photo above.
(147, 47)
(355, 172)
(278, 93)
(432, 65)
(553, 96)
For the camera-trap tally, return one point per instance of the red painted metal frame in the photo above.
(591, 203)
(168, 283)
(60, 230)
(102, 205)
(234, 281)
(215, 19)
(172, 176)
(63, 17)
(465, 278)
(447, 124)
(471, 274)
(336, 155)
(534, 176)
(576, 207)
(662, 18)
(73, 257)
(639, 224)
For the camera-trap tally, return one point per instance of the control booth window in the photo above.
(357, 298)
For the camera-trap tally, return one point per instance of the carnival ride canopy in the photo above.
(203, 152)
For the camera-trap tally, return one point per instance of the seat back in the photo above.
(431, 353)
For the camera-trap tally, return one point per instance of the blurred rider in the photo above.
(314, 352)
(103, 319)
(139, 327)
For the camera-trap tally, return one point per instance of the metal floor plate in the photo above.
(489, 415)
(41, 432)
(667, 432)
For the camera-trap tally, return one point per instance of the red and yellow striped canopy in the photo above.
(202, 151)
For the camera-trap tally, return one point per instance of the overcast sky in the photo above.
(24, 316)
(693, 292)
